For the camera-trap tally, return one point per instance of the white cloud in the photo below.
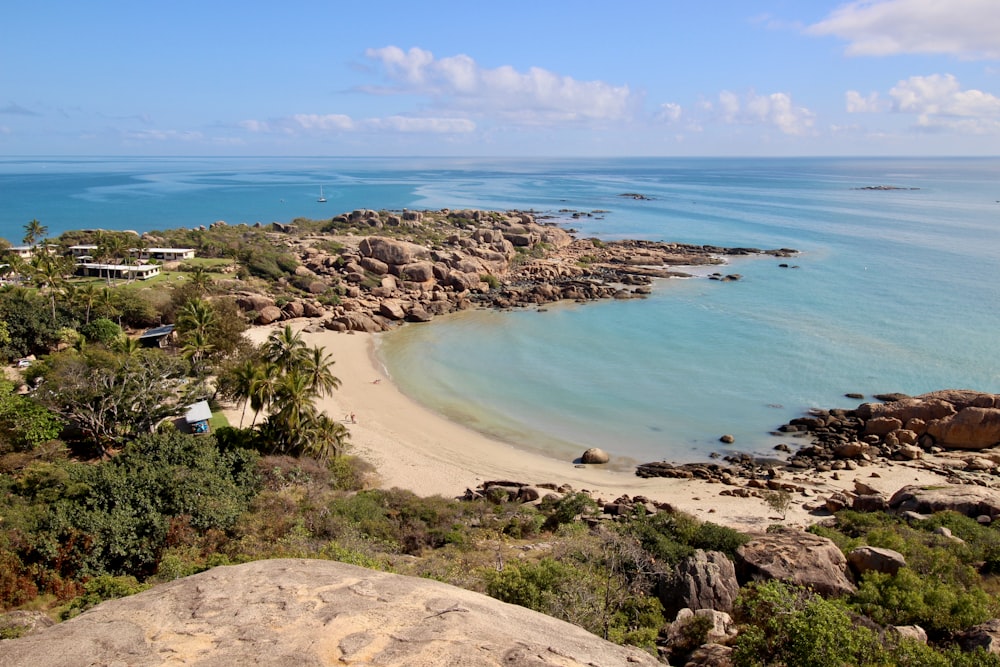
(669, 112)
(534, 96)
(254, 125)
(963, 28)
(939, 102)
(304, 123)
(428, 125)
(164, 135)
(323, 122)
(857, 103)
(775, 110)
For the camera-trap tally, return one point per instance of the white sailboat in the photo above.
(322, 199)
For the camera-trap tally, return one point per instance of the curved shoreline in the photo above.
(417, 449)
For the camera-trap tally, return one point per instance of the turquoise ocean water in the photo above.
(895, 290)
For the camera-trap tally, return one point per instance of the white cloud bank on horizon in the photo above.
(938, 102)
(537, 96)
(775, 109)
(461, 91)
(963, 28)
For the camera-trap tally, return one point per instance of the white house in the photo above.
(82, 250)
(166, 254)
(124, 271)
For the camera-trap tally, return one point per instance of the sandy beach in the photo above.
(416, 449)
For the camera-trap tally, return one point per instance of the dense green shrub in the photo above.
(566, 509)
(103, 331)
(907, 598)
(24, 424)
(103, 588)
(85, 520)
(672, 536)
(787, 625)
(531, 584)
(401, 518)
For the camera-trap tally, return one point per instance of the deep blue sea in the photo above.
(895, 290)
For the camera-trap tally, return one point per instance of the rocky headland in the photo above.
(415, 265)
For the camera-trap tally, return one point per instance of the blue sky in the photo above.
(512, 78)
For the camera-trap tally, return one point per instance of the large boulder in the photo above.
(313, 613)
(705, 580)
(417, 272)
(984, 636)
(972, 501)
(875, 559)
(970, 428)
(955, 418)
(359, 322)
(796, 557)
(268, 315)
(595, 455)
(391, 251)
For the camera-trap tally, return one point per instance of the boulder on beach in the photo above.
(595, 455)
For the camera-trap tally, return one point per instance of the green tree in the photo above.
(49, 272)
(34, 232)
(29, 324)
(24, 424)
(285, 348)
(84, 297)
(112, 398)
(263, 388)
(326, 439)
(200, 279)
(237, 383)
(318, 368)
(293, 412)
(103, 331)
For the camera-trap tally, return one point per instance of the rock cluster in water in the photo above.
(953, 432)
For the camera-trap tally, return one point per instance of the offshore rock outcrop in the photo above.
(952, 432)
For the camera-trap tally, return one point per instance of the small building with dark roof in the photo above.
(158, 337)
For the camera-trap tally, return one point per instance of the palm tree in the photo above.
(196, 346)
(200, 279)
(326, 437)
(196, 315)
(262, 388)
(111, 247)
(295, 411)
(86, 296)
(318, 367)
(34, 232)
(128, 347)
(139, 246)
(241, 383)
(284, 348)
(108, 304)
(49, 271)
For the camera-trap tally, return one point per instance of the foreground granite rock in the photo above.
(312, 612)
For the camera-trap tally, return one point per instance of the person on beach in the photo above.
(353, 419)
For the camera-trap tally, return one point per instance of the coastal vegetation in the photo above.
(103, 493)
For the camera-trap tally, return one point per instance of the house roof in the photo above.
(198, 412)
(158, 332)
